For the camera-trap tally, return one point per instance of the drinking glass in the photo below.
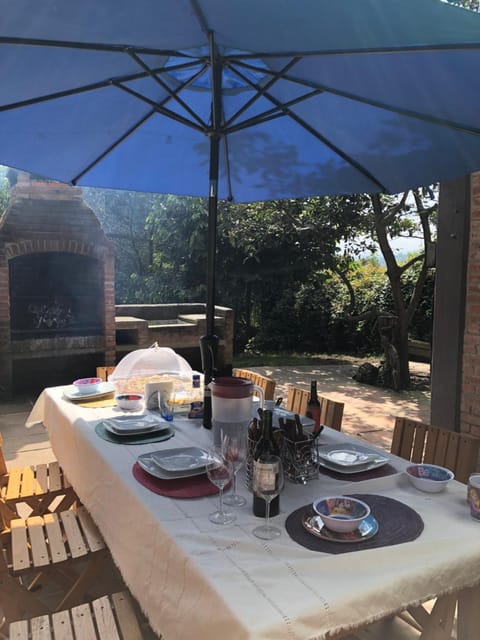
(166, 403)
(234, 447)
(267, 483)
(219, 472)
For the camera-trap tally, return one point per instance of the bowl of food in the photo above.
(429, 477)
(341, 513)
(85, 386)
(129, 401)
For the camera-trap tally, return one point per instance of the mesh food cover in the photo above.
(149, 365)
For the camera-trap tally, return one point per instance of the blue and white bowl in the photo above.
(429, 477)
(341, 513)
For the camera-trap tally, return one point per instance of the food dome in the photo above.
(149, 365)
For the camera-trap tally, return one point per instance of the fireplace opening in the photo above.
(55, 294)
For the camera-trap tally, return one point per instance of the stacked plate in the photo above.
(172, 464)
(104, 389)
(349, 458)
(135, 425)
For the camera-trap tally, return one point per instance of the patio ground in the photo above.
(369, 411)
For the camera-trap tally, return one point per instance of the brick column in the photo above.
(470, 400)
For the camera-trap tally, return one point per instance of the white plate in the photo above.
(361, 458)
(148, 464)
(135, 425)
(104, 388)
(179, 460)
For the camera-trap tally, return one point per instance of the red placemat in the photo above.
(194, 487)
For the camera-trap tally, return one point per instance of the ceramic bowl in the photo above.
(87, 385)
(341, 513)
(130, 401)
(429, 477)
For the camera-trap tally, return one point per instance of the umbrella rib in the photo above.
(166, 88)
(115, 144)
(275, 77)
(451, 124)
(348, 159)
(272, 114)
(160, 109)
(97, 46)
(77, 90)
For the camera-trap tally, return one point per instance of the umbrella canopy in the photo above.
(240, 99)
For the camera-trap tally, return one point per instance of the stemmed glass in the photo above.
(219, 472)
(268, 482)
(234, 447)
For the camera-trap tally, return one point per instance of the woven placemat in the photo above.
(194, 487)
(380, 472)
(397, 523)
(96, 404)
(157, 436)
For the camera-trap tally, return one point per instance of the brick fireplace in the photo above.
(57, 306)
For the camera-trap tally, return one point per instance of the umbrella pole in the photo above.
(209, 342)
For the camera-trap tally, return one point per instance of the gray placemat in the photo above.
(157, 436)
(397, 523)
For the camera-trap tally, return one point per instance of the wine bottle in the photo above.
(265, 445)
(313, 406)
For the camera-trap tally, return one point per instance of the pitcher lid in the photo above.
(231, 387)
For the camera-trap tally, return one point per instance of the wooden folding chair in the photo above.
(420, 442)
(267, 385)
(111, 617)
(104, 372)
(331, 411)
(64, 550)
(44, 488)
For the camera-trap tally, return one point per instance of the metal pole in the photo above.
(209, 342)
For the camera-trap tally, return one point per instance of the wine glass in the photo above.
(268, 481)
(219, 472)
(234, 447)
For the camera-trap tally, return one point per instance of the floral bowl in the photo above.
(341, 513)
(87, 385)
(429, 477)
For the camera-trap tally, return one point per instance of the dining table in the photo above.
(196, 579)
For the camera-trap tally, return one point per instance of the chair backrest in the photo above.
(419, 442)
(104, 372)
(267, 385)
(331, 411)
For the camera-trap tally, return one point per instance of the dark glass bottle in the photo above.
(266, 445)
(313, 406)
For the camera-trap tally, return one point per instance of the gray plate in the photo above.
(181, 459)
(148, 464)
(374, 459)
(135, 425)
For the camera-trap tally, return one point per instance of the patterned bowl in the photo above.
(130, 401)
(87, 385)
(429, 477)
(341, 513)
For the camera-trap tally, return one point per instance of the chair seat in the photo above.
(43, 488)
(64, 548)
(110, 617)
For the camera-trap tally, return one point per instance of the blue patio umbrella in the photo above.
(242, 100)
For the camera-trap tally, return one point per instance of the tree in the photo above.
(409, 213)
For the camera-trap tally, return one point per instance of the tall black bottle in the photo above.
(266, 445)
(313, 406)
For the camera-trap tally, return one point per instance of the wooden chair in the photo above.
(266, 384)
(104, 372)
(61, 550)
(110, 617)
(44, 488)
(419, 442)
(331, 411)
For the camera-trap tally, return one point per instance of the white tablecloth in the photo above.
(198, 580)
